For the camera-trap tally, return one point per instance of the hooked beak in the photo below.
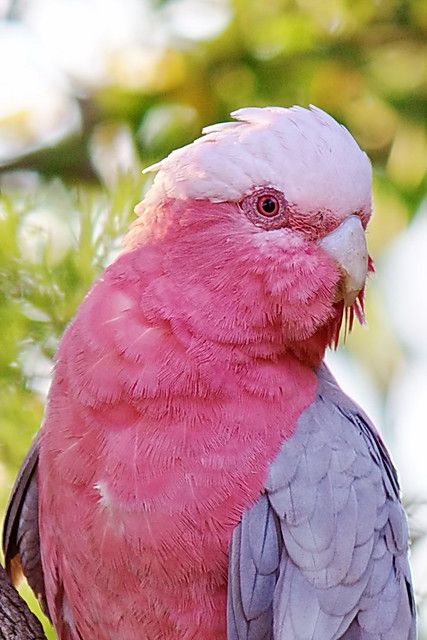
(347, 246)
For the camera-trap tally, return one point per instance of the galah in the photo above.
(199, 474)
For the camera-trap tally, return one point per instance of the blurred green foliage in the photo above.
(64, 207)
(40, 288)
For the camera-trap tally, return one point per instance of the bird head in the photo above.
(260, 225)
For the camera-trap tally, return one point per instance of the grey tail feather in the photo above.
(355, 632)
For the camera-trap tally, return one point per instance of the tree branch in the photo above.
(16, 620)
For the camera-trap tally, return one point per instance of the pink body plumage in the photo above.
(157, 438)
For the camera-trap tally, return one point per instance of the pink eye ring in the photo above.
(266, 207)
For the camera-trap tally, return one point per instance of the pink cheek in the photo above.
(301, 278)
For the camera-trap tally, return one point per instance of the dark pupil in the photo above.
(268, 205)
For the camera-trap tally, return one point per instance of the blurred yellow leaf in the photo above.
(407, 162)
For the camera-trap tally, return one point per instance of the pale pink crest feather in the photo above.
(303, 152)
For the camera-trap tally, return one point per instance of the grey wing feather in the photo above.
(323, 553)
(255, 553)
(21, 542)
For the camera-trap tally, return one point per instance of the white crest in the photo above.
(303, 152)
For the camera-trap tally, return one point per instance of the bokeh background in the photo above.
(91, 91)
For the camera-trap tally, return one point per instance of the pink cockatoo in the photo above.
(199, 474)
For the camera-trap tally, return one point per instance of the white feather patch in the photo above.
(303, 152)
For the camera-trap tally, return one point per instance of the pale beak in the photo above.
(347, 246)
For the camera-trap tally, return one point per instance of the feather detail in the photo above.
(308, 152)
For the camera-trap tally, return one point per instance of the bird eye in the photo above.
(266, 207)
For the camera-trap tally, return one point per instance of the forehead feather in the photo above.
(303, 152)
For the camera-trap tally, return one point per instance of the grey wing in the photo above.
(322, 555)
(21, 542)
